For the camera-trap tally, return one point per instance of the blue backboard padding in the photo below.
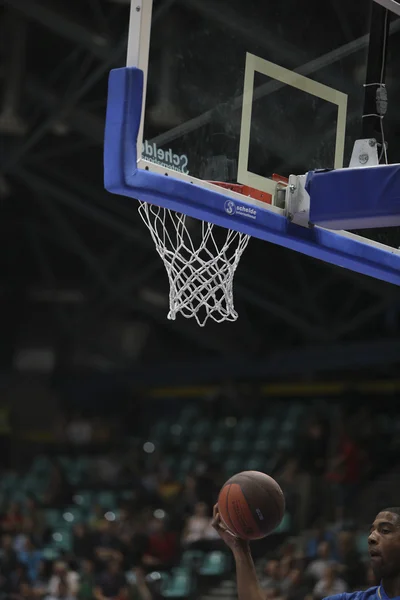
(122, 177)
(357, 196)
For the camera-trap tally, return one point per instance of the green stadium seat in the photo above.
(268, 425)
(106, 499)
(73, 514)
(179, 584)
(285, 441)
(256, 463)
(246, 425)
(51, 554)
(214, 564)
(362, 543)
(83, 499)
(62, 540)
(186, 464)
(239, 446)
(285, 524)
(52, 517)
(192, 558)
(201, 429)
(232, 466)
(218, 445)
(261, 445)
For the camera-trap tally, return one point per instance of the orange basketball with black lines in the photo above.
(251, 505)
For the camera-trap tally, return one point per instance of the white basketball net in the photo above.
(200, 271)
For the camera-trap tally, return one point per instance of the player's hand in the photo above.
(230, 539)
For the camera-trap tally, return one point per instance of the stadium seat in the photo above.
(52, 517)
(232, 466)
(218, 445)
(62, 540)
(201, 429)
(192, 558)
(245, 425)
(362, 543)
(239, 446)
(107, 500)
(285, 524)
(262, 445)
(268, 425)
(214, 564)
(179, 584)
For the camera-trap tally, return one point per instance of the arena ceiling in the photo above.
(80, 274)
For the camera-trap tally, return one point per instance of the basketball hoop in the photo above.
(200, 260)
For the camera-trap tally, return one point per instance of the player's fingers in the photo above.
(215, 510)
(216, 522)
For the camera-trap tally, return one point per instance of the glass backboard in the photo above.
(238, 91)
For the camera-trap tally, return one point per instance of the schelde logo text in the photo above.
(165, 158)
(234, 209)
(246, 210)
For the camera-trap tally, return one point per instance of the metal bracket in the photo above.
(298, 201)
(365, 154)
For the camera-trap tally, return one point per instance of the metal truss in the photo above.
(293, 302)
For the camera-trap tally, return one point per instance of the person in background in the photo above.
(162, 546)
(318, 566)
(69, 577)
(112, 583)
(196, 525)
(61, 592)
(384, 550)
(330, 584)
(13, 518)
(82, 544)
(87, 581)
(31, 557)
(271, 580)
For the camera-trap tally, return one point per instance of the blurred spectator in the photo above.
(288, 480)
(329, 585)
(351, 566)
(35, 514)
(79, 430)
(65, 576)
(16, 578)
(162, 546)
(40, 585)
(272, 576)
(58, 492)
(27, 532)
(8, 556)
(61, 592)
(87, 581)
(112, 583)
(319, 534)
(345, 473)
(188, 496)
(12, 519)
(82, 542)
(31, 557)
(169, 488)
(140, 590)
(312, 453)
(108, 469)
(296, 588)
(318, 566)
(96, 517)
(196, 525)
(107, 546)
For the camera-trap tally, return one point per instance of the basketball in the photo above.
(251, 505)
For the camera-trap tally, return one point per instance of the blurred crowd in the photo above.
(116, 550)
(319, 563)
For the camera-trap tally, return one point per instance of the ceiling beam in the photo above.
(63, 26)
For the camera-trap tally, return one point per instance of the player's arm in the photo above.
(247, 582)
